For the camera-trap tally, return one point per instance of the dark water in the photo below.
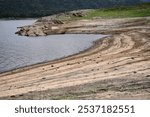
(18, 51)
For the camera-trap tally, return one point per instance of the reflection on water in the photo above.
(18, 51)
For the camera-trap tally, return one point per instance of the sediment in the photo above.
(115, 67)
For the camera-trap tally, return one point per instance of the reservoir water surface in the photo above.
(19, 51)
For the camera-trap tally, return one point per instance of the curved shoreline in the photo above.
(116, 67)
(28, 67)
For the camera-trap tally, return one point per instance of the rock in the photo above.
(54, 28)
(31, 33)
(40, 33)
(78, 14)
(57, 21)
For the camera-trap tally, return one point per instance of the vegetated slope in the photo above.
(142, 10)
(145, 0)
(37, 8)
(65, 22)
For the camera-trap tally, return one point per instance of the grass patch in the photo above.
(142, 10)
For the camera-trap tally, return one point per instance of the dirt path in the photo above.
(116, 67)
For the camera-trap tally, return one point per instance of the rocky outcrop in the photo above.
(31, 31)
(95, 26)
(55, 24)
(41, 28)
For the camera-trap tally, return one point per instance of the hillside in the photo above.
(142, 10)
(38, 8)
(75, 20)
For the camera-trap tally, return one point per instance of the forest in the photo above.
(38, 8)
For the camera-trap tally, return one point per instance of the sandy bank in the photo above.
(116, 67)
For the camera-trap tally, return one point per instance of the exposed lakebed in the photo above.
(19, 51)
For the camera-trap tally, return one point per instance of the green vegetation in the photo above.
(38, 8)
(121, 12)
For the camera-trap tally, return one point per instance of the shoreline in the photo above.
(16, 70)
(115, 67)
(8, 19)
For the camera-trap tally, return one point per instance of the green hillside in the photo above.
(38, 8)
(142, 10)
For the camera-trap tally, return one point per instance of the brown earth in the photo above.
(115, 67)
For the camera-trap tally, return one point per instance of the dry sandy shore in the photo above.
(116, 67)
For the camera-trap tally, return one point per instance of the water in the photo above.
(18, 51)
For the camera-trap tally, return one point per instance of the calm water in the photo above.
(18, 51)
